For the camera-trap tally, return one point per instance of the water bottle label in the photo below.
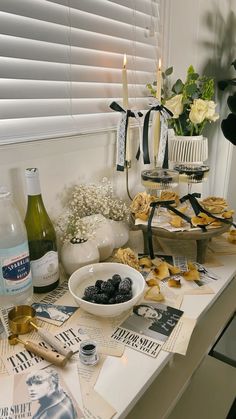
(15, 275)
(45, 271)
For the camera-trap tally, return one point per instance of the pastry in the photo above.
(232, 236)
(140, 206)
(214, 204)
(192, 275)
(161, 271)
(202, 219)
(154, 294)
(152, 282)
(174, 283)
(228, 214)
(176, 221)
(145, 262)
(170, 196)
(142, 215)
(173, 269)
(128, 257)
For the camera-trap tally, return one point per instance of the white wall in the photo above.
(83, 159)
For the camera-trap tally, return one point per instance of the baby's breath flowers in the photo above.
(83, 200)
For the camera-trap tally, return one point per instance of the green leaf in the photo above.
(190, 89)
(169, 71)
(193, 76)
(163, 75)
(178, 87)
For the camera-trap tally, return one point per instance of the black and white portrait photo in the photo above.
(154, 320)
(54, 312)
(52, 401)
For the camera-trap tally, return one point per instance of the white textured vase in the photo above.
(103, 236)
(120, 231)
(76, 255)
(188, 149)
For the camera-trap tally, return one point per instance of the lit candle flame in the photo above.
(125, 61)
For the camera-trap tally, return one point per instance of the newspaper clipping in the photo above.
(148, 327)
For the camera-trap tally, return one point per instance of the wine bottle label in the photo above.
(15, 274)
(45, 271)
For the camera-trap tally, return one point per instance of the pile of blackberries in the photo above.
(113, 291)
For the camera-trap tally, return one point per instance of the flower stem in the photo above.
(180, 128)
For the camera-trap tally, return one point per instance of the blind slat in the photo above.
(61, 63)
(38, 89)
(32, 108)
(13, 47)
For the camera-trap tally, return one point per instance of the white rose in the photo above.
(198, 111)
(175, 105)
(211, 115)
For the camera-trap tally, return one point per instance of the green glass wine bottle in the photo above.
(41, 237)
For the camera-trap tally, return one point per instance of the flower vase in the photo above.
(76, 255)
(103, 235)
(120, 231)
(188, 149)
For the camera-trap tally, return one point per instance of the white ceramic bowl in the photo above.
(88, 275)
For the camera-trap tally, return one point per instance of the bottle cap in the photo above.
(32, 181)
(31, 172)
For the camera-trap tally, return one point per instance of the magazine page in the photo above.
(42, 393)
(17, 359)
(180, 337)
(148, 327)
(99, 329)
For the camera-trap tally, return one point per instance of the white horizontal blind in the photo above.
(61, 62)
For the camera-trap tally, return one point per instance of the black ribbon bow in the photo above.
(129, 114)
(157, 108)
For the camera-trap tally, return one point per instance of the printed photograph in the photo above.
(56, 313)
(154, 320)
(42, 394)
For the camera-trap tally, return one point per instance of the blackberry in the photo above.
(101, 298)
(98, 284)
(116, 278)
(130, 280)
(90, 292)
(107, 288)
(121, 298)
(125, 286)
(112, 300)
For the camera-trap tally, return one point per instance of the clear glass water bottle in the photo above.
(15, 274)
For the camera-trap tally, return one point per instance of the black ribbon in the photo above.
(197, 208)
(116, 107)
(129, 114)
(153, 206)
(158, 108)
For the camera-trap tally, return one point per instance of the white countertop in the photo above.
(124, 380)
